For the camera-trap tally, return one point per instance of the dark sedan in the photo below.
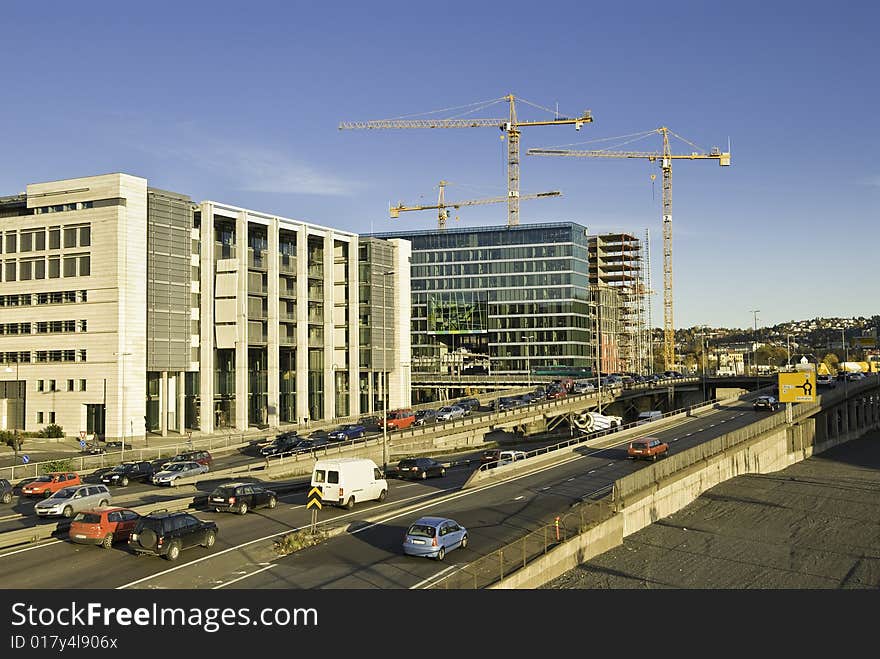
(420, 468)
(282, 446)
(128, 471)
(311, 444)
(241, 497)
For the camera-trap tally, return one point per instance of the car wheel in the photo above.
(103, 503)
(464, 541)
(107, 542)
(350, 503)
(441, 553)
(68, 512)
(272, 502)
(210, 539)
(424, 475)
(7, 497)
(173, 551)
(382, 495)
(242, 508)
(124, 481)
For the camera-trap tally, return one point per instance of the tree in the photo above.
(831, 361)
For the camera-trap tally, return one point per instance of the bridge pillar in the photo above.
(535, 427)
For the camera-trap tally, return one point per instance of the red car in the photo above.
(103, 526)
(647, 447)
(48, 484)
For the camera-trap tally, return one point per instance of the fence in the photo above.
(493, 567)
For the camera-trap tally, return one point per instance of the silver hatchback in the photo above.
(74, 499)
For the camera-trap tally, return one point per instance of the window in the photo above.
(52, 386)
(85, 236)
(51, 417)
(82, 355)
(69, 237)
(10, 270)
(83, 325)
(82, 385)
(39, 417)
(40, 240)
(54, 267)
(84, 266)
(26, 270)
(40, 269)
(27, 241)
(70, 266)
(11, 239)
(40, 386)
(70, 385)
(54, 238)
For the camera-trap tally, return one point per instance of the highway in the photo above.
(369, 555)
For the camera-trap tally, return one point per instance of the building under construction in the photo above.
(618, 268)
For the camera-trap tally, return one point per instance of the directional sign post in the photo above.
(315, 504)
(797, 387)
(25, 459)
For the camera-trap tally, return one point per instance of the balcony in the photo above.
(223, 251)
(258, 259)
(287, 263)
(316, 271)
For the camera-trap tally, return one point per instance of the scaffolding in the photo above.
(616, 261)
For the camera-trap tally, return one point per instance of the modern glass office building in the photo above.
(502, 299)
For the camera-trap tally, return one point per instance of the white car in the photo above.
(176, 471)
(450, 413)
(507, 457)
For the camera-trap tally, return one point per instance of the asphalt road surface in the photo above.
(813, 525)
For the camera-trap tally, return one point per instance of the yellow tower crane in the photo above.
(511, 126)
(442, 204)
(665, 158)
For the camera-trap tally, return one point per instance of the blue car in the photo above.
(432, 537)
(347, 431)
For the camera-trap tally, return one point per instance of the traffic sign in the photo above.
(314, 498)
(82, 443)
(25, 459)
(798, 387)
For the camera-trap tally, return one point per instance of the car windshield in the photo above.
(178, 466)
(224, 492)
(87, 518)
(120, 468)
(422, 530)
(64, 493)
(406, 463)
(44, 479)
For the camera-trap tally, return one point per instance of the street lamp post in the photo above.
(788, 350)
(755, 359)
(382, 376)
(703, 358)
(122, 411)
(845, 360)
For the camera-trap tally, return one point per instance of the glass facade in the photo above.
(500, 299)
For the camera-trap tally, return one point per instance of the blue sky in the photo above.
(240, 103)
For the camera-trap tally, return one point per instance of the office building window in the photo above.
(85, 236)
(26, 270)
(51, 386)
(70, 385)
(70, 266)
(51, 417)
(10, 271)
(82, 385)
(40, 240)
(54, 267)
(39, 417)
(11, 241)
(40, 385)
(27, 242)
(69, 237)
(84, 265)
(40, 269)
(54, 238)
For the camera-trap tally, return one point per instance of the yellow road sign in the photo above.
(798, 387)
(314, 498)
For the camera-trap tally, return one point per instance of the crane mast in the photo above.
(665, 158)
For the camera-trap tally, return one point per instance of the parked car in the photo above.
(766, 403)
(420, 468)
(432, 537)
(855, 376)
(123, 473)
(450, 413)
(311, 444)
(282, 445)
(167, 534)
(201, 457)
(399, 419)
(18, 488)
(347, 431)
(102, 526)
(5, 491)
(507, 403)
(73, 499)
(647, 447)
(556, 393)
(48, 484)
(469, 405)
(648, 416)
(241, 497)
(177, 470)
(424, 417)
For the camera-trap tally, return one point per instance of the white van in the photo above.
(650, 415)
(347, 481)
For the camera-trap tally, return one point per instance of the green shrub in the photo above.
(287, 544)
(57, 465)
(52, 430)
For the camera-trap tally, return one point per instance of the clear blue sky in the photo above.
(240, 103)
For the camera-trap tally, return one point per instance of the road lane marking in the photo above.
(519, 497)
(432, 577)
(249, 574)
(18, 551)
(592, 471)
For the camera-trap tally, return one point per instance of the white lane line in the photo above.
(676, 439)
(250, 574)
(432, 577)
(569, 480)
(592, 471)
(18, 551)
(519, 497)
(15, 516)
(689, 434)
(610, 464)
(544, 489)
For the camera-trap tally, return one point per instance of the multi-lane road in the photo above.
(367, 552)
